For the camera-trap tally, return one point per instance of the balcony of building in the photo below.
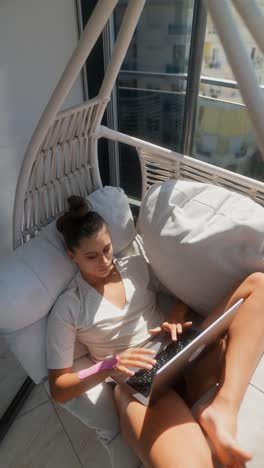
(175, 89)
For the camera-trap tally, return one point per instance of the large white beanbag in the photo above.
(201, 240)
(34, 276)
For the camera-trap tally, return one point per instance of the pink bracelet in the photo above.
(107, 364)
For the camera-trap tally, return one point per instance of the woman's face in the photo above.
(94, 255)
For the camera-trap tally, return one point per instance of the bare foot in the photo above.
(219, 423)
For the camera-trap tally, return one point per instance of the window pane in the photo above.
(152, 82)
(224, 135)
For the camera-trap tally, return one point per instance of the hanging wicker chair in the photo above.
(62, 156)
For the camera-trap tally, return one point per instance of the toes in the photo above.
(221, 438)
(231, 454)
(238, 452)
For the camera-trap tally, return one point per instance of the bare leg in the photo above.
(164, 435)
(244, 349)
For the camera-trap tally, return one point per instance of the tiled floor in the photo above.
(44, 435)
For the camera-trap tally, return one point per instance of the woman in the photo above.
(111, 308)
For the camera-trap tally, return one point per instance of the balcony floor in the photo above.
(45, 435)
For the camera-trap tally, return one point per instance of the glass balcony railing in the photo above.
(223, 134)
(224, 137)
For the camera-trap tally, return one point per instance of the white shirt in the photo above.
(82, 313)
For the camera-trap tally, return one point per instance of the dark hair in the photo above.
(78, 222)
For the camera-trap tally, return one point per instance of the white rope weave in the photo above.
(62, 167)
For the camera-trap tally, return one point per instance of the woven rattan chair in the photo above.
(62, 156)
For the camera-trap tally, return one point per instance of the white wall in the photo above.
(37, 38)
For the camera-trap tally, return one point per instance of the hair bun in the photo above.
(78, 208)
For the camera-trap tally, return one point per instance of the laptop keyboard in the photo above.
(142, 379)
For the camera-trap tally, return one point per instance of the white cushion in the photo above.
(29, 346)
(34, 276)
(201, 240)
(112, 204)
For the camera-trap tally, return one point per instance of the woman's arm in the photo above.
(66, 384)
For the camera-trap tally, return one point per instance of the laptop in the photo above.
(172, 357)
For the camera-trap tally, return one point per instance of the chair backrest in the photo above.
(159, 164)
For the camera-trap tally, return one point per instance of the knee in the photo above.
(256, 281)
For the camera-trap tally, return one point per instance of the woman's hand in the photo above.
(173, 328)
(134, 357)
